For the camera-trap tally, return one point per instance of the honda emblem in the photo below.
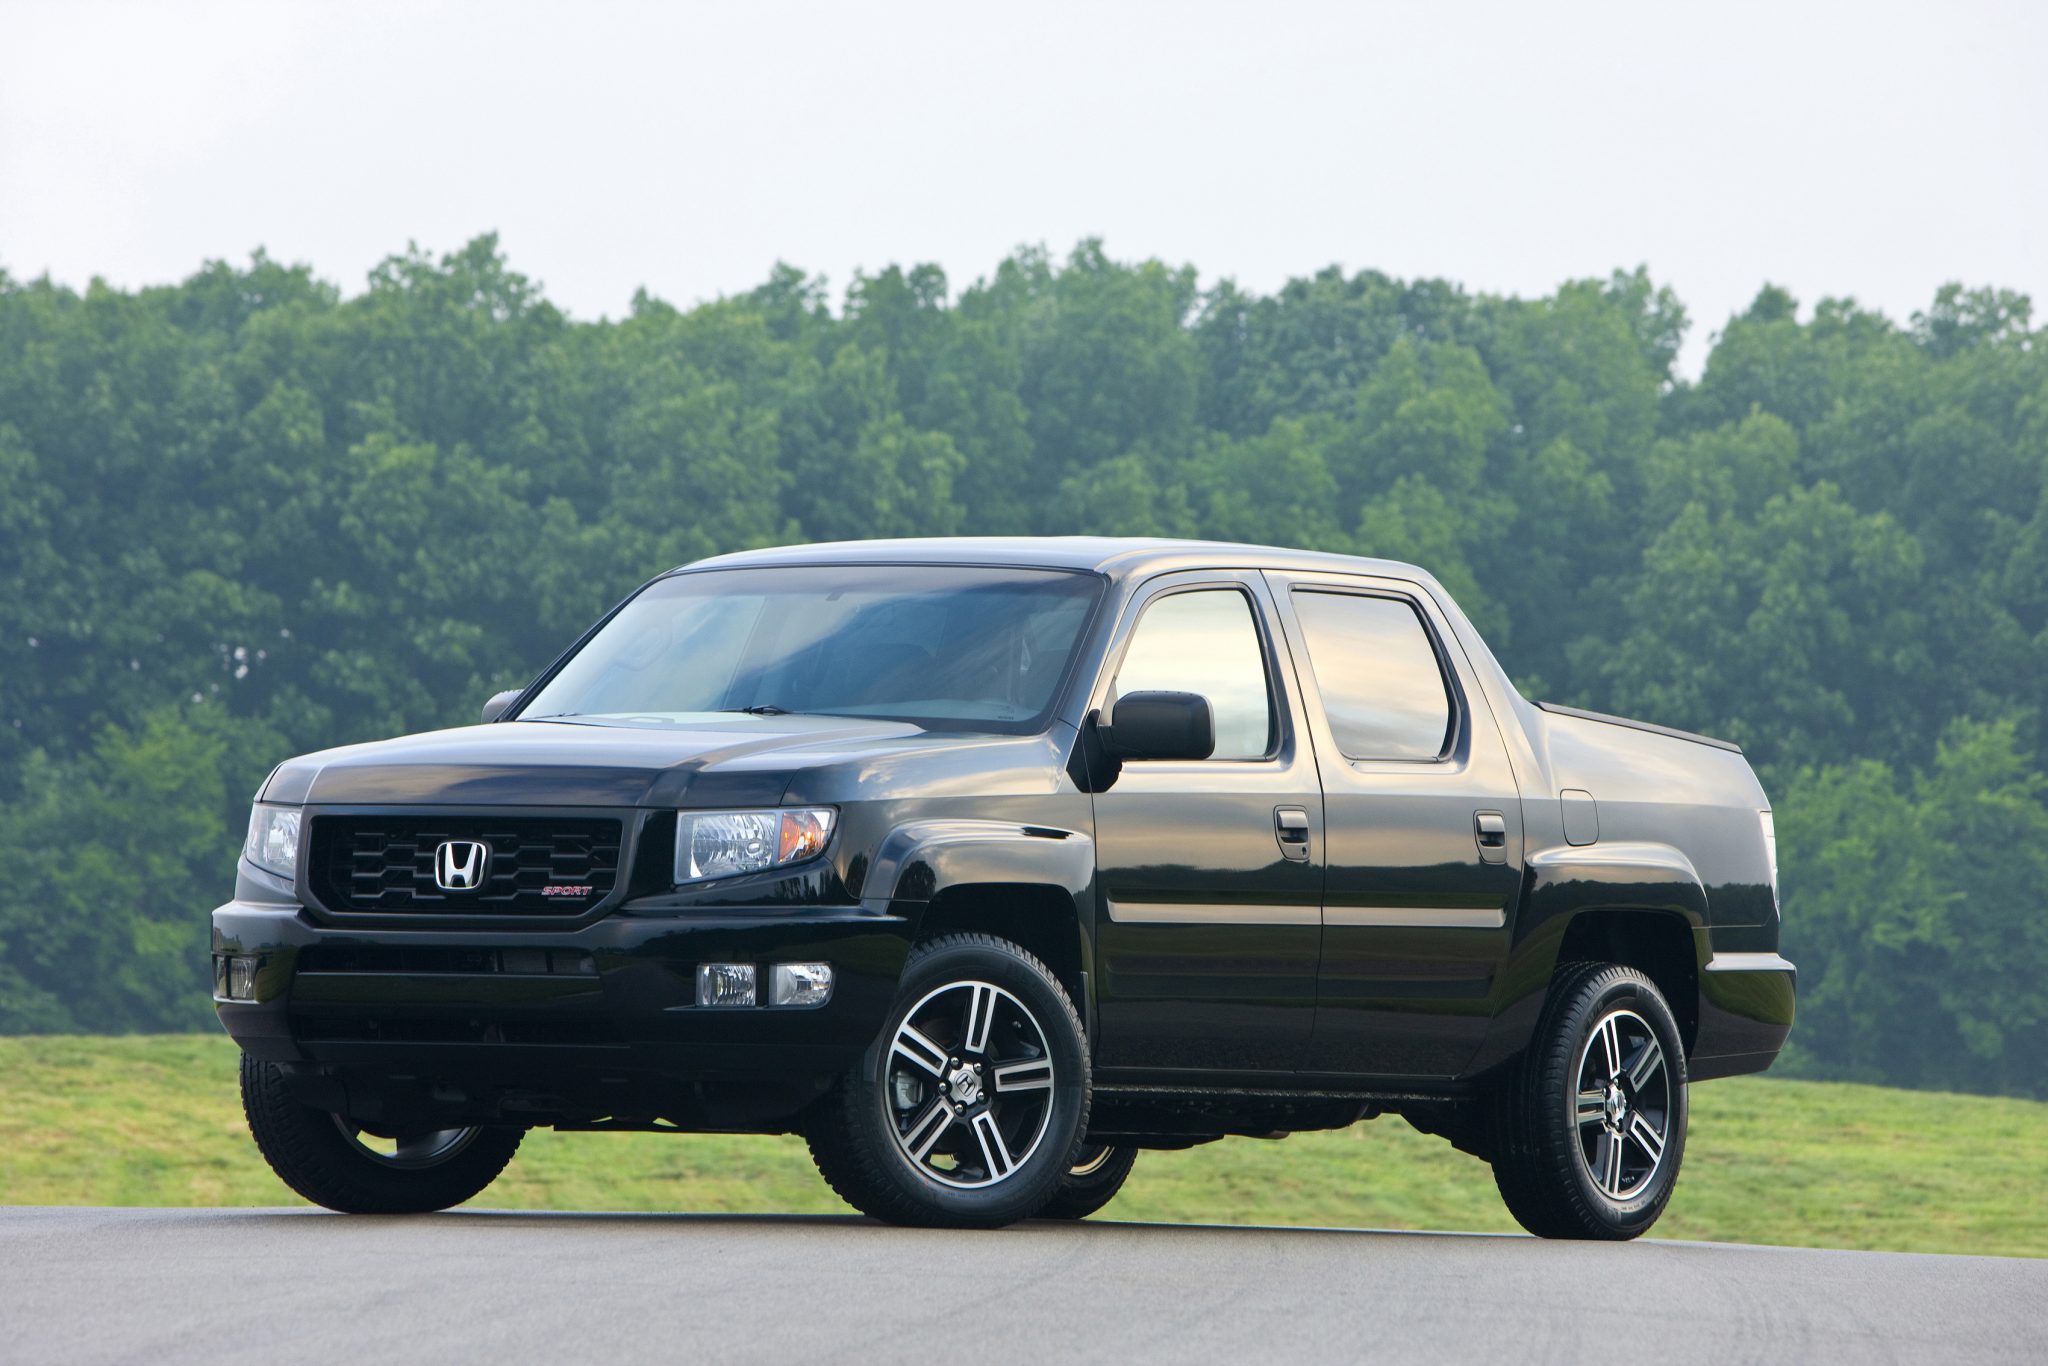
(459, 865)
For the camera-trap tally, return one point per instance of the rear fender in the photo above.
(1640, 874)
(1560, 883)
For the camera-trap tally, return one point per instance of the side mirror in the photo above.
(500, 704)
(1159, 725)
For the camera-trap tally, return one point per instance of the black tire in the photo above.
(921, 1142)
(1585, 1147)
(320, 1156)
(1095, 1174)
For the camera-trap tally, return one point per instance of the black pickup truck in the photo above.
(984, 864)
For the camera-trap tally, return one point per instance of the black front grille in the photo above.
(537, 865)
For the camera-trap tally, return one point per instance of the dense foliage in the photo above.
(242, 517)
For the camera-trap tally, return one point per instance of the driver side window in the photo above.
(1206, 641)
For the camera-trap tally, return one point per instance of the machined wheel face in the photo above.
(1623, 1111)
(412, 1151)
(969, 1085)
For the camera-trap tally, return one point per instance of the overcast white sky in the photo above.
(1870, 149)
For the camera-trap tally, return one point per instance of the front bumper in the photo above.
(575, 1023)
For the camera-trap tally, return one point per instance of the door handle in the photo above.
(1290, 827)
(1490, 829)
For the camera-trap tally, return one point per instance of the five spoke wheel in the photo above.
(970, 1084)
(966, 1109)
(1587, 1128)
(1624, 1104)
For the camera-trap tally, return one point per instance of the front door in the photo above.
(1208, 922)
(1423, 821)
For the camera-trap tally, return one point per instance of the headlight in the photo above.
(273, 843)
(712, 844)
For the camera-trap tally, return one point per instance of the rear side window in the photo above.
(1206, 642)
(1382, 687)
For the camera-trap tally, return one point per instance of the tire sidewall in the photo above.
(1019, 1195)
(1624, 989)
(309, 1152)
(1079, 1196)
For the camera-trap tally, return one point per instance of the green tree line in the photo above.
(243, 516)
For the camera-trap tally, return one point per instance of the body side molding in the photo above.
(1173, 913)
(1419, 917)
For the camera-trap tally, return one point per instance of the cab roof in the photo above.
(1116, 557)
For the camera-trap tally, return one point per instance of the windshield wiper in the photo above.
(759, 709)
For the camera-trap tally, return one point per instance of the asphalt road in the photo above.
(222, 1286)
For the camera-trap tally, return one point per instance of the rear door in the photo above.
(1209, 873)
(1423, 822)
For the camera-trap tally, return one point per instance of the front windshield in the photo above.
(941, 647)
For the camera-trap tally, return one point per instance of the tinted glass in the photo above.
(1381, 686)
(1206, 642)
(940, 646)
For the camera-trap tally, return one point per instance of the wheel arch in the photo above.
(1657, 943)
(1036, 917)
(1030, 884)
(1640, 900)
(1636, 902)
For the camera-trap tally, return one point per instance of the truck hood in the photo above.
(740, 760)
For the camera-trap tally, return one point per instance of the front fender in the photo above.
(920, 859)
(1051, 869)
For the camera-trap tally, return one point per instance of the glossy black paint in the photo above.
(1417, 915)
(1281, 941)
(1207, 933)
(1159, 725)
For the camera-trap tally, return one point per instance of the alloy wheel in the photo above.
(1623, 1113)
(969, 1085)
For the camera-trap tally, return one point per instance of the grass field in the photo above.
(156, 1121)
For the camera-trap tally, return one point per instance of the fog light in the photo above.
(241, 979)
(725, 984)
(800, 984)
